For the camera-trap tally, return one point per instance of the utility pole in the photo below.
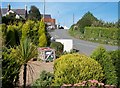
(73, 18)
(44, 11)
(58, 20)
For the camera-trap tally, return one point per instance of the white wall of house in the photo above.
(17, 17)
(68, 44)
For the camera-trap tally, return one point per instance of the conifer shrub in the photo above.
(43, 40)
(75, 68)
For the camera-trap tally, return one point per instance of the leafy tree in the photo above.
(86, 20)
(34, 13)
(75, 68)
(45, 80)
(100, 55)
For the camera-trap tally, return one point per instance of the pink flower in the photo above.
(80, 83)
(76, 85)
(107, 86)
(84, 82)
(102, 84)
(94, 81)
(89, 80)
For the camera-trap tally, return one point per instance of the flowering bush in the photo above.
(89, 84)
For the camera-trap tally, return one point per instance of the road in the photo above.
(84, 47)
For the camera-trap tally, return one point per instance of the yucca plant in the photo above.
(25, 52)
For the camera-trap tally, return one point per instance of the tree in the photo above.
(24, 53)
(100, 55)
(86, 20)
(75, 68)
(34, 13)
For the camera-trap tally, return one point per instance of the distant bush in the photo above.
(75, 68)
(58, 47)
(45, 80)
(100, 54)
(102, 35)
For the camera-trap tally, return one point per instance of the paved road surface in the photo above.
(85, 47)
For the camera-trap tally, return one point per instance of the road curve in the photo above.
(83, 46)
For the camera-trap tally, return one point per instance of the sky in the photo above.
(63, 11)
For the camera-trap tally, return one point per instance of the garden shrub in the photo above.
(10, 68)
(115, 56)
(45, 80)
(101, 55)
(75, 68)
(12, 36)
(58, 47)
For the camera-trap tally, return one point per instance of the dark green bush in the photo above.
(58, 47)
(10, 68)
(45, 80)
(75, 68)
(101, 55)
(12, 38)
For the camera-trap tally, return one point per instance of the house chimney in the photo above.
(9, 7)
(26, 12)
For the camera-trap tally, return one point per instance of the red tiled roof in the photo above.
(49, 20)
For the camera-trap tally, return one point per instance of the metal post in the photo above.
(73, 18)
(44, 11)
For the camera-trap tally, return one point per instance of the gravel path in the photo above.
(34, 68)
